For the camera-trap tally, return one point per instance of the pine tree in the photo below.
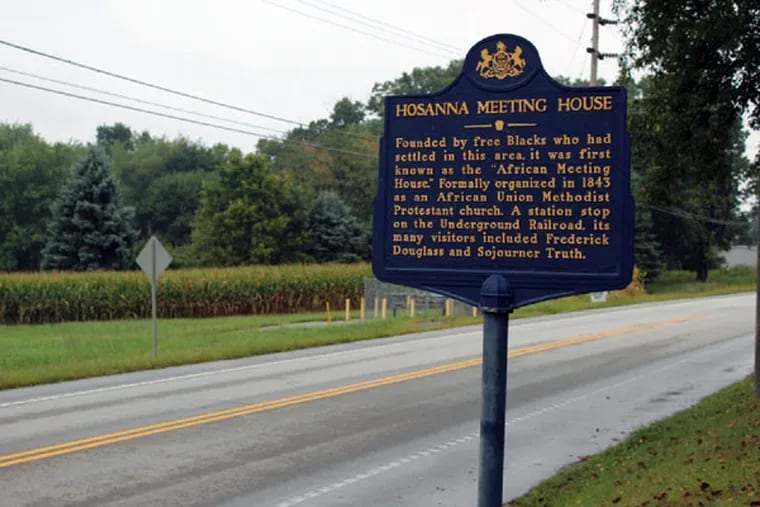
(647, 251)
(89, 230)
(336, 235)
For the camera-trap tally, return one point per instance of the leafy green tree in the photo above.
(747, 234)
(169, 205)
(419, 80)
(700, 43)
(337, 155)
(108, 135)
(250, 215)
(648, 252)
(188, 156)
(704, 57)
(691, 172)
(354, 168)
(30, 174)
(347, 112)
(162, 179)
(336, 234)
(578, 81)
(89, 230)
(136, 169)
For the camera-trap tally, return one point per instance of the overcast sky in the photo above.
(286, 58)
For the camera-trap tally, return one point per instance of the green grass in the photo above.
(671, 285)
(683, 281)
(35, 354)
(706, 455)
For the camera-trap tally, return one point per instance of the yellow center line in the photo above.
(263, 406)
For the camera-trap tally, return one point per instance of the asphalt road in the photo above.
(389, 422)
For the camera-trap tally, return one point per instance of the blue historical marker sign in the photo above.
(505, 172)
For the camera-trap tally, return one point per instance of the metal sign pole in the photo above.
(496, 304)
(153, 284)
(153, 259)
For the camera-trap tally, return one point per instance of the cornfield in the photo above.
(33, 298)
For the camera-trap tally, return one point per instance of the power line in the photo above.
(693, 216)
(569, 5)
(387, 26)
(356, 30)
(568, 69)
(163, 88)
(163, 106)
(184, 119)
(543, 19)
(138, 100)
(149, 85)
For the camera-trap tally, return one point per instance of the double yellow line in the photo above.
(155, 429)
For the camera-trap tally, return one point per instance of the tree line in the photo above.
(307, 197)
(90, 207)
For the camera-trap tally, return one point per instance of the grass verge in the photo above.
(36, 354)
(708, 454)
(53, 352)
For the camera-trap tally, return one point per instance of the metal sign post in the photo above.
(153, 260)
(496, 304)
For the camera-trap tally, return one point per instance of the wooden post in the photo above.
(377, 308)
(348, 309)
(411, 307)
(362, 309)
(384, 312)
(329, 316)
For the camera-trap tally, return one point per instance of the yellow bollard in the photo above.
(348, 309)
(384, 312)
(362, 309)
(411, 307)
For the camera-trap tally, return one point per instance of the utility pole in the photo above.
(594, 41)
(594, 49)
